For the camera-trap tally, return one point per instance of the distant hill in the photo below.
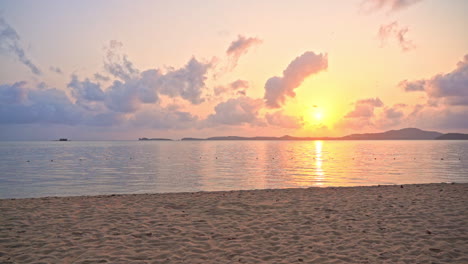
(195, 139)
(261, 138)
(453, 136)
(402, 134)
(155, 139)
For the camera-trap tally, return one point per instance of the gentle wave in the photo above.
(35, 169)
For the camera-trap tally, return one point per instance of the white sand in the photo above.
(387, 224)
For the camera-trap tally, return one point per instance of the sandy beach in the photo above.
(379, 224)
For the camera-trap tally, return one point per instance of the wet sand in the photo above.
(388, 224)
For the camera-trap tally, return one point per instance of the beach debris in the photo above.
(401, 186)
(428, 232)
(437, 250)
(27, 161)
(51, 160)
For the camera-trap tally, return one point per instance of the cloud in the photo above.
(449, 88)
(391, 116)
(278, 88)
(100, 77)
(21, 105)
(13, 94)
(127, 93)
(187, 82)
(239, 87)
(393, 5)
(279, 119)
(364, 108)
(55, 69)
(412, 86)
(240, 47)
(47, 105)
(10, 42)
(236, 111)
(85, 90)
(164, 118)
(393, 30)
(117, 64)
(443, 118)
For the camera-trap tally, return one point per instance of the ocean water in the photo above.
(37, 169)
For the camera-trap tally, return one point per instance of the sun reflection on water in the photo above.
(319, 172)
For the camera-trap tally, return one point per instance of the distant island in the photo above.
(155, 139)
(402, 134)
(453, 136)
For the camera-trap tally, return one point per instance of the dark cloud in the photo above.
(395, 31)
(450, 88)
(100, 77)
(236, 111)
(85, 90)
(126, 96)
(187, 82)
(240, 47)
(278, 88)
(412, 86)
(55, 69)
(392, 5)
(117, 64)
(10, 42)
(391, 116)
(279, 119)
(21, 105)
(451, 119)
(13, 94)
(238, 87)
(47, 105)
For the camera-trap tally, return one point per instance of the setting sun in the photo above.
(314, 115)
(318, 115)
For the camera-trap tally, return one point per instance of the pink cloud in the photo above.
(240, 47)
(277, 89)
(395, 31)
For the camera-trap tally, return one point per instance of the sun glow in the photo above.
(318, 115)
(314, 116)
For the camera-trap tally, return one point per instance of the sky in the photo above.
(93, 70)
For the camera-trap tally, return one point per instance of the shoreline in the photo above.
(414, 223)
(224, 191)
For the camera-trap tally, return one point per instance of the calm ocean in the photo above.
(37, 169)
